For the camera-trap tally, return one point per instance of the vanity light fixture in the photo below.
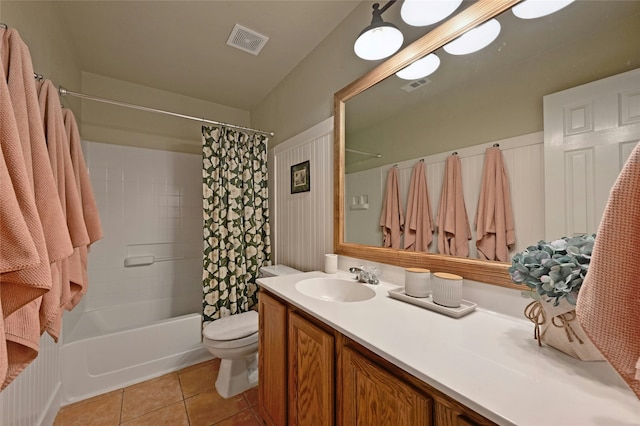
(380, 39)
(420, 68)
(474, 39)
(419, 13)
(531, 9)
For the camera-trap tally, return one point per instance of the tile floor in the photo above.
(186, 397)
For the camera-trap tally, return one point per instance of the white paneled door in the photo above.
(589, 132)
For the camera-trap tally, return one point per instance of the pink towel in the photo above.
(22, 326)
(67, 273)
(454, 232)
(392, 217)
(23, 277)
(419, 222)
(608, 305)
(87, 199)
(494, 218)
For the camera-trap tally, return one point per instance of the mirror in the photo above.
(577, 53)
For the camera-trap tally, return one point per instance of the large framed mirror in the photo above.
(585, 39)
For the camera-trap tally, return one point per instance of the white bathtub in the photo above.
(116, 347)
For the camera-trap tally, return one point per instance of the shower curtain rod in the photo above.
(63, 92)
(355, 151)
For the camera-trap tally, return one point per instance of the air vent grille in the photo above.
(416, 84)
(247, 40)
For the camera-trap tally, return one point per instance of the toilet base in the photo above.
(237, 375)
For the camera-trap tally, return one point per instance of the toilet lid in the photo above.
(232, 327)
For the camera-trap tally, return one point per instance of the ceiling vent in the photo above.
(248, 40)
(410, 87)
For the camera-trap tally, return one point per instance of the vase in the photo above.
(558, 327)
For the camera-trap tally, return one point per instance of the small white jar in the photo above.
(417, 282)
(330, 263)
(447, 289)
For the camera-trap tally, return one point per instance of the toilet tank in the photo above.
(277, 270)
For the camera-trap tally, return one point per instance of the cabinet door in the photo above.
(272, 360)
(448, 413)
(372, 396)
(311, 374)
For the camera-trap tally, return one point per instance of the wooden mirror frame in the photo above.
(473, 269)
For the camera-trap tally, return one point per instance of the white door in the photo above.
(589, 132)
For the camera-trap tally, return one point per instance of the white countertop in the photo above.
(487, 361)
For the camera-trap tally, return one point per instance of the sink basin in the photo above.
(335, 290)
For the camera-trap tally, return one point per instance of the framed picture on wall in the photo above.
(300, 178)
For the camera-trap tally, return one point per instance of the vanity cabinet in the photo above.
(372, 396)
(310, 374)
(272, 360)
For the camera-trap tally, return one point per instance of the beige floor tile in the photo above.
(151, 395)
(102, 410)
(251, 396)
(198, 365)
(256, 412)
(208, 408)
(200, 379)
(243, 418)
(173, 415)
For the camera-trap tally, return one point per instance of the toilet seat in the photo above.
(233, 331)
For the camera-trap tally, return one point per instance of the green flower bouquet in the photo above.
(554, 269)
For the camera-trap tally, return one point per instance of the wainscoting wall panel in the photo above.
(523, 157)
(302, 223)
(33, 398)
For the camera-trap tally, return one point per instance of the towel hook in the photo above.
(455, 153)
(3, 26)
(496, 145)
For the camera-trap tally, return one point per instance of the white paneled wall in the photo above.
(34, 396)
(302, 224)
(150, 203)
(524, 161)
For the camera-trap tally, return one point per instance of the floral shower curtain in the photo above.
(236, 219)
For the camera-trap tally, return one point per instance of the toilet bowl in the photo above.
(234, 340)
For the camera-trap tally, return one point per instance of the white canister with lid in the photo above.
(330, 263)
(417, 282)
(447, 289)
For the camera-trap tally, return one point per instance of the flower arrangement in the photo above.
(554, 269)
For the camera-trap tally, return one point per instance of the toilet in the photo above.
(234, 339)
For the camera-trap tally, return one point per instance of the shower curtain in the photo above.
(236, 219)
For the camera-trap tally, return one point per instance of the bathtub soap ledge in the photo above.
(138, 261)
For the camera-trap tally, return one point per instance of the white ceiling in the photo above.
(180, 46)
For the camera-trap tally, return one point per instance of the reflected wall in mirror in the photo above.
(468, 104)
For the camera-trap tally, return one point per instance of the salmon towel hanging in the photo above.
(495, 232)
(392, 217)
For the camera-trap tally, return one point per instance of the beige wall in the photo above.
(305, 97)
(51, 50)
(49, 43)
(124, 126)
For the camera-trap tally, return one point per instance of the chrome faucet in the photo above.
(365, 276)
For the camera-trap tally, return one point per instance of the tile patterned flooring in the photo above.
(183, 398)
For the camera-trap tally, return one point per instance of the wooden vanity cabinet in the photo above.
(310, 374)
(372, 396)
(272, 360)
(295, 367)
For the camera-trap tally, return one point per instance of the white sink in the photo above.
(335, 290)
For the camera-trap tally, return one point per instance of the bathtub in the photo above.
(119, 346)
